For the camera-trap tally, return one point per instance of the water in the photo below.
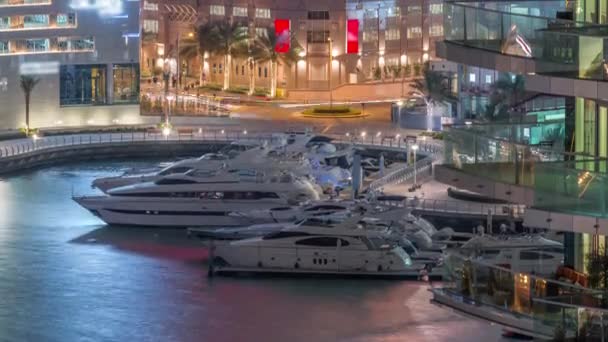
(64, 276)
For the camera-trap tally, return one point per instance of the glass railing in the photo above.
(561, 47)
(563, 182)
(544, 306)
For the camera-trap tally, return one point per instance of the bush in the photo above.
(237, 90)
(211, 86)
(260, 92)
(335, 110)
(433, 135)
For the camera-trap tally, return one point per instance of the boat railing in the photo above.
(24, 146)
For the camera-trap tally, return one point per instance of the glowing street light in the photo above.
(363, 134)
(378, 134)
(415, 148)
(166, 132)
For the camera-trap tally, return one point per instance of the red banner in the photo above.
(352, 36)
(281, 30)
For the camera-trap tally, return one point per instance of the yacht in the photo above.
(314, 246)
(292, 156)
(533, 254)
(219, 199)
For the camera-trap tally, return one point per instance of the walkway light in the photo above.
(245, 132)
(363, 134)
(166, 131)
(468, 123)
(378, 134)
(35, 137)
(348, 134)
(415, 148)
(222, 131)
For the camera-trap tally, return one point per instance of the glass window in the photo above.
(217, 10)
(317, 36)
(322, 241)
(370, 13)
(261, 32)
(436, 8)
(239, 11)
(36, 20)
(36, 45)
(318, 15)
(82, 84)
(488, 79)
(262, 13)
(414, 9)
(393, 12)
(5, 23)
(126, 83)
(151, 26)
(150, 6)
(370, 35)
(414, 32)
(529, 255)
(472, 78)
(4, 47)
(392, 34)
(66, 19)
(436, 30)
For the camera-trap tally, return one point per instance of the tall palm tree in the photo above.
(196, 45)
(223, 38)
(433, 88)
(263, 51)
(28, 83)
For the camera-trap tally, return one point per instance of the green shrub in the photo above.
(260, 92)
(211, 86)
(333, 109)
(237, 90)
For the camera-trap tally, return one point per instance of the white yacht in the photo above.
(316, 247)
(221, 199)
(527, 254)
(292, 156)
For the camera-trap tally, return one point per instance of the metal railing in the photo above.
(24, 146)
(460, 207)
(422, 168)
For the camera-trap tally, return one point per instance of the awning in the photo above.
(182, 13)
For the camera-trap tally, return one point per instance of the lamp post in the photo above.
(415, 148)
(330, 71)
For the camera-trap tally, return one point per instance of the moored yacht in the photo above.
(221, 199)
(316, 247)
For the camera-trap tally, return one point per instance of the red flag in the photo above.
(281, 30)
(352, 36)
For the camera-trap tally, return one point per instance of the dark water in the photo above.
(66, 277)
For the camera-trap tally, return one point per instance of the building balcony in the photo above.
(527, 164)
(540, 307)
(553, 53)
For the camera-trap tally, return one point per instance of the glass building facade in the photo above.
(82, 85)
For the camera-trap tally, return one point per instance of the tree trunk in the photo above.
(251, 77)
(273, 79)
(227, 59)
(201, 69)
(27, 113)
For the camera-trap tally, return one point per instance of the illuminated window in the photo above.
(392, 34)
(414, 32)
(5, 23)
(391, 61)
(239, 11)
(370, 35)
(436, 30)
(472, 78)
(66, 19)
(488, 79)
(217, 10)
(150, 6)
(151, 26)
(36, 20)
(436, 8)
(393, 12)
(261, 32)
(82, 84)
(36, 45)
(317, 36)
(4, 47)
(414, 9)
(3, 84)
(24, 2)
(126, 83)
(262, 13)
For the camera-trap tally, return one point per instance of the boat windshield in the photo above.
(378, 243)
(317, 221)
(409, 247)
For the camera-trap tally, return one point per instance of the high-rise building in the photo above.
(85, 55)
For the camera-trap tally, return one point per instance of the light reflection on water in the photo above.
(66, 277)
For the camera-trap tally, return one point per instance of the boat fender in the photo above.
(379, 268)
(259, 264)
(296, 266)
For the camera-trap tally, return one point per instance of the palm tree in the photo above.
(263, 50)
(27, 85)
(223, 40)
(195, 46)
(432, 88)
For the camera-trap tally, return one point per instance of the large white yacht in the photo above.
(304, 155)
(318, 247)
(220, 199)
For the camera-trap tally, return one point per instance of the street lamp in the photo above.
(331, 98)
(166, 132)
(415, 148)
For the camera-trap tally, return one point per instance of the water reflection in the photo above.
(64, 276)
